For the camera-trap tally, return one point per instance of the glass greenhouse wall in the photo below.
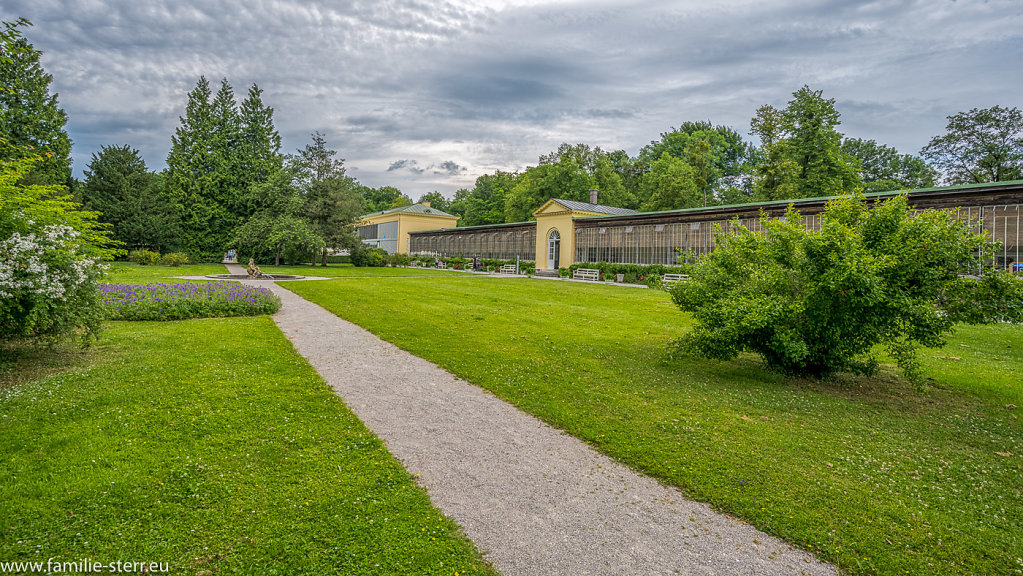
(675, 242)
(491, 242)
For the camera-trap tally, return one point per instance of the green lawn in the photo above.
(130, 273)
(865, 472)
(349, 271)
(212, 446)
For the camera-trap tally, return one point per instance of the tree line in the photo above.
(228, 184)
(801, 154)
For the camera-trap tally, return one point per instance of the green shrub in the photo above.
(399, 260)
(173, 259)
(363, 255)
(144, 257)
(811, 303)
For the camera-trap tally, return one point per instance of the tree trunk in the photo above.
(323, 261)
(277, 257)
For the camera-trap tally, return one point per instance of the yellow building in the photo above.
(390, 229)
(555, 229)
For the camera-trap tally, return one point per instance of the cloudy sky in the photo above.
(429, 95)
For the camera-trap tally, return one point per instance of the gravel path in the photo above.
(535, 500)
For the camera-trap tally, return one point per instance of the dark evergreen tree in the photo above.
(259, 144)
(331, 201)
(131, 199)
(31, 120)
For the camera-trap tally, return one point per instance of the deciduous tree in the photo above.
(982, 145)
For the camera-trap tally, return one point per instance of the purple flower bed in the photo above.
(185, 300)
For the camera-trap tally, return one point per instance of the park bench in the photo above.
(669, 280)
(507, 269)
(591, 274)
(442, 266)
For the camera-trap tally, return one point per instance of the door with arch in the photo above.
(553, 249)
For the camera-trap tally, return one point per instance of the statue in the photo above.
(253, 270)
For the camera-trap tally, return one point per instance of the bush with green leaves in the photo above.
(649, 274)
(173, 259)
(50, 254)
(363, 255)
(144, 257)
(815, 302)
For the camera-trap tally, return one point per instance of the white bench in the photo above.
(669, 280)
(591, 274)
(442, 266)
(507, 269)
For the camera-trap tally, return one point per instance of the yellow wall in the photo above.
(411, 223)
(562, 221)
(416, 222)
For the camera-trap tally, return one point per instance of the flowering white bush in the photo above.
(47, 283)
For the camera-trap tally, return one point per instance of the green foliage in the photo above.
(383, 198)
(144, 257)
(278, 223)
(982, 145)
(50, 253)
(218, 154)
(484, 204)
(882, 168)
(802, 156)
(32, 124)
(670, 184)
(817, 302)
(718, 156)
(173, 259)
(568, 173)
(130, 198)
(363, 255)
(331, 200)
(436, 200)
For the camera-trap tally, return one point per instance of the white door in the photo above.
(553, 249)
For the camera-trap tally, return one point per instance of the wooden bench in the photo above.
(507, 269)
(669, 280)
(442, 266)
(591, 274)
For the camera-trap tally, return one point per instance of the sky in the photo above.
(427, 96)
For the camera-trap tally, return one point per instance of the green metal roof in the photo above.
(411, 209)
(957, 187)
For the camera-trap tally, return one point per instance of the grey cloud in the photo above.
(408, 165)
(448, 168)
(486, 89)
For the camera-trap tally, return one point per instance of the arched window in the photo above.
(553, 249)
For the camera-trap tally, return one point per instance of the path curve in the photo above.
(534, 499)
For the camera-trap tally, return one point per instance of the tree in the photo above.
(568, 173)
(259, 143)
(383, 198)
(718, 153)
(484, 204)
(32, 124)
(332, 202)
(217, 154)
(811, 303)
(671, 184)
(131, 199)
(882, 168)
(802, 153)
(277, 223)
(982, 145)
(436, 200)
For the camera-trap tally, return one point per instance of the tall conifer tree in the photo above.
(31, 121)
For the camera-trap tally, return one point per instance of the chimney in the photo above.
(593, 195)
(427, 203)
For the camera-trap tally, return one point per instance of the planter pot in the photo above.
(619, 278)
